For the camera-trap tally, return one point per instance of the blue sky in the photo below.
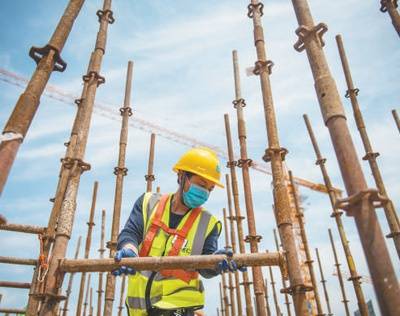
(183, 81)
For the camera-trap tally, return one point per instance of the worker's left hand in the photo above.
(227, 264)
(124, 253)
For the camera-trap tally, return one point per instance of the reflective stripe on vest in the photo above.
(139, 302)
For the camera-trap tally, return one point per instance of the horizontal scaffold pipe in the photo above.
(170, 262)
(21, 261)
(28, 229)
(16, 285)
(12, 311)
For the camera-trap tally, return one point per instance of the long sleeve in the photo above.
(133, 230)
(210, 246)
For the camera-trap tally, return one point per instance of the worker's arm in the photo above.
(131, 235)
(210, 246)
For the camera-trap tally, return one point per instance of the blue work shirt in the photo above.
(133, 232)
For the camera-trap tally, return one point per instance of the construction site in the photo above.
(298, 101)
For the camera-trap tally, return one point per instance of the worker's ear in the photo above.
(179, 179)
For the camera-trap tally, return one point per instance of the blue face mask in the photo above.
(195, 196)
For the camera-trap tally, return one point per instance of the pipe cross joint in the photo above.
(38, 53)
(304, 33)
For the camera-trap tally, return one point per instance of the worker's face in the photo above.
(195, 179)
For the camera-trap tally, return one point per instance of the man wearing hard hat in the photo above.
(173, 225)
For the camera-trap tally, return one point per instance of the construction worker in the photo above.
(174, 225)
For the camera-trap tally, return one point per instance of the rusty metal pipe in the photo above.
(370, 155)
(323, 281)
(275, 154)
(267, 297)
(21, 261)
(150, 173)
(238, 216)
(244, 163)
(230, 285)
(91, 302)
(88, 244)
(86, 303)
(339, 274)
(121, 298)
(303, 234)
(120, 171)
(28, 229)
(354, 277)
(284, 286)
(390, 6)
(361, 206)
(169, 262)
(275, 297)
(76, 164)
(225, 294)
(48, 59)
(71, 278)
(101, 251)
(233, 244)
(221, 300)
(15, 311)
(16, 285)
(396, 119)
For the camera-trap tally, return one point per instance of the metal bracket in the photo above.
(94, 75)
(246, 283)
(126, 109)
(384, 5)
(37, 53)
(370, 155)
(78, 102)
(272, 150)
(239, 102)
(299, 288)
(69, 163)
(149, 177)
(52, 200)
(108, 14)
(259, 7)
(66, 144)
(336, 214)
(111, 245)
(250, 238)
(320, 161)
(262, 66)
(245, 163)
(231, 164)
(304, 33)
(119, 170)
(352, 91)
(371, 194)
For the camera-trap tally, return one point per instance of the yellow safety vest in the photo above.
(169, 292)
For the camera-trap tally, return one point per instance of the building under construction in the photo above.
(299, 99)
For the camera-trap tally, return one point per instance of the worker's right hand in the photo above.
(124, 253)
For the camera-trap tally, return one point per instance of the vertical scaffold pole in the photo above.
(239, 218)
(266, 296)
(244, 162)
(225, 294)
(323, 281)
(287, 301)
(396, 119)
(221, 300)
(88, 244)
(275, 297)
(390, 6)
(339, 274)
(120, 171)
(361, 201)
(71, 278)
(230, 280)
(74, 165)
(354, 277)
(121, 298)
(91, 302)
(309, 261)
(150, 175)
(232, 219)
(370, 155)
(48, 59)
(101, 251)
(276, 154)
(86, 303)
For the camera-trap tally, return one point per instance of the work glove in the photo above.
(124, 253)
(227, 264)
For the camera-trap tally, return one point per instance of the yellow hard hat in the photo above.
(201, 161)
